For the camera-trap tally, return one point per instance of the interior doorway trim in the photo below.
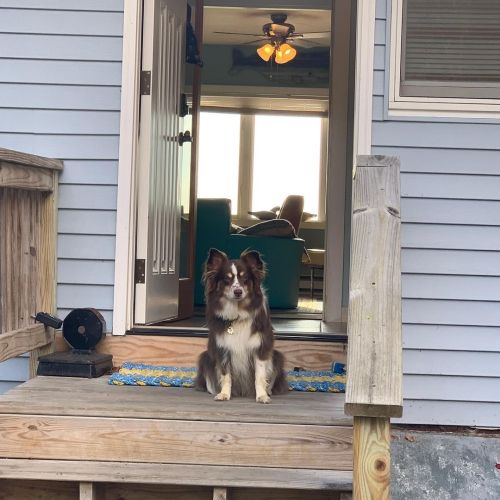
(126, 199)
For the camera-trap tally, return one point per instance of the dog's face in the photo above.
(235, 280)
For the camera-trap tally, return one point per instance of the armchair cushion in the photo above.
(278, 228)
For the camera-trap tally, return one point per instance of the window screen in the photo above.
(451, 48)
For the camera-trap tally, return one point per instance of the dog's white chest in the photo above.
(240, 343)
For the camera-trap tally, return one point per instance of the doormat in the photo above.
(173, 376)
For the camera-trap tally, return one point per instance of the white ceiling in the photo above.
(251, 20)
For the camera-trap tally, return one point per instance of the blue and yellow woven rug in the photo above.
(171, 376)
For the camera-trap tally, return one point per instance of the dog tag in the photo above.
(230, 330)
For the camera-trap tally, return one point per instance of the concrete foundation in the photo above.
(444, 466)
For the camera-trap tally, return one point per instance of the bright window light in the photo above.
(219, 156)
(287, 152)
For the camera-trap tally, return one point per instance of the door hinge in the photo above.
(140, 270)
(145, 82)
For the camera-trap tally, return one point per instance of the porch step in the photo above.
(173, 474)
(174, 436)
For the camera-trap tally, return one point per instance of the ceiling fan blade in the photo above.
(260, 40)
(316, 34)
(305, 43)
(230, 33)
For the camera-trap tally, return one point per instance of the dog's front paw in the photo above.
(222, 396)
(263, 398)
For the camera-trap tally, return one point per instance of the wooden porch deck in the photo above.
(81, 430)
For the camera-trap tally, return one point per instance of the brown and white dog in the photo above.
(240, 359)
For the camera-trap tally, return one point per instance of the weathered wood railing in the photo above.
(374, 359)
(28, 190)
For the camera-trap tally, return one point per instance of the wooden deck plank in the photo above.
(96, 398)
(173, 474)
(176, 441)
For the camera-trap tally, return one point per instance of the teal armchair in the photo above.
(281, 255)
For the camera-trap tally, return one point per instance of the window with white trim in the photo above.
(445, 56)
(219, 156)
(257, 160)
(451, 48)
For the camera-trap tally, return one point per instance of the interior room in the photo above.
(255, 173)
(262, 145)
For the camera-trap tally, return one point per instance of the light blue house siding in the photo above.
(60, 76)
(450, 210)
(60, 70)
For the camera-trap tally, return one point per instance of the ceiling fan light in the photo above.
(285, 53)
(265, 52)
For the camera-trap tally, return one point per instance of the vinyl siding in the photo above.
(60, 67)
(450, 239)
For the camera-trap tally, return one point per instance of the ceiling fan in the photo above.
(278, 33)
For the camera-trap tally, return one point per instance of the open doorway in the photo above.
(263, 139)
(269, 163)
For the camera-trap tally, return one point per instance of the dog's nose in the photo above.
(238, 292)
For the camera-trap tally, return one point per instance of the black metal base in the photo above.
(85, 364)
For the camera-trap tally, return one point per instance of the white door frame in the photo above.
(123, 303)
(363, 97)
(129, 127)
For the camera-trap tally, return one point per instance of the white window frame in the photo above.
(245, 173)
(446, 107)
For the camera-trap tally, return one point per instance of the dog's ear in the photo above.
(252, 259)
(215, 260)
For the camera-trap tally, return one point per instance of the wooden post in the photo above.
(220, 494)
(90, 491)
(372, 458)
(374, 359)
(47, 265)
(28, 235)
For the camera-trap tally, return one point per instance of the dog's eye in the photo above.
(229, 275)
(242, 274)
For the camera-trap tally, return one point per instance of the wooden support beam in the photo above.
(374, 362)
(37, 353)
(26, 339)
(28, 235)
(90, 491)
(372, 458)
(15, 176)
(174, 474)
(220, 494)
(29, 160)
(47, 264)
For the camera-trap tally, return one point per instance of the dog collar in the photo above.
(228, 325)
